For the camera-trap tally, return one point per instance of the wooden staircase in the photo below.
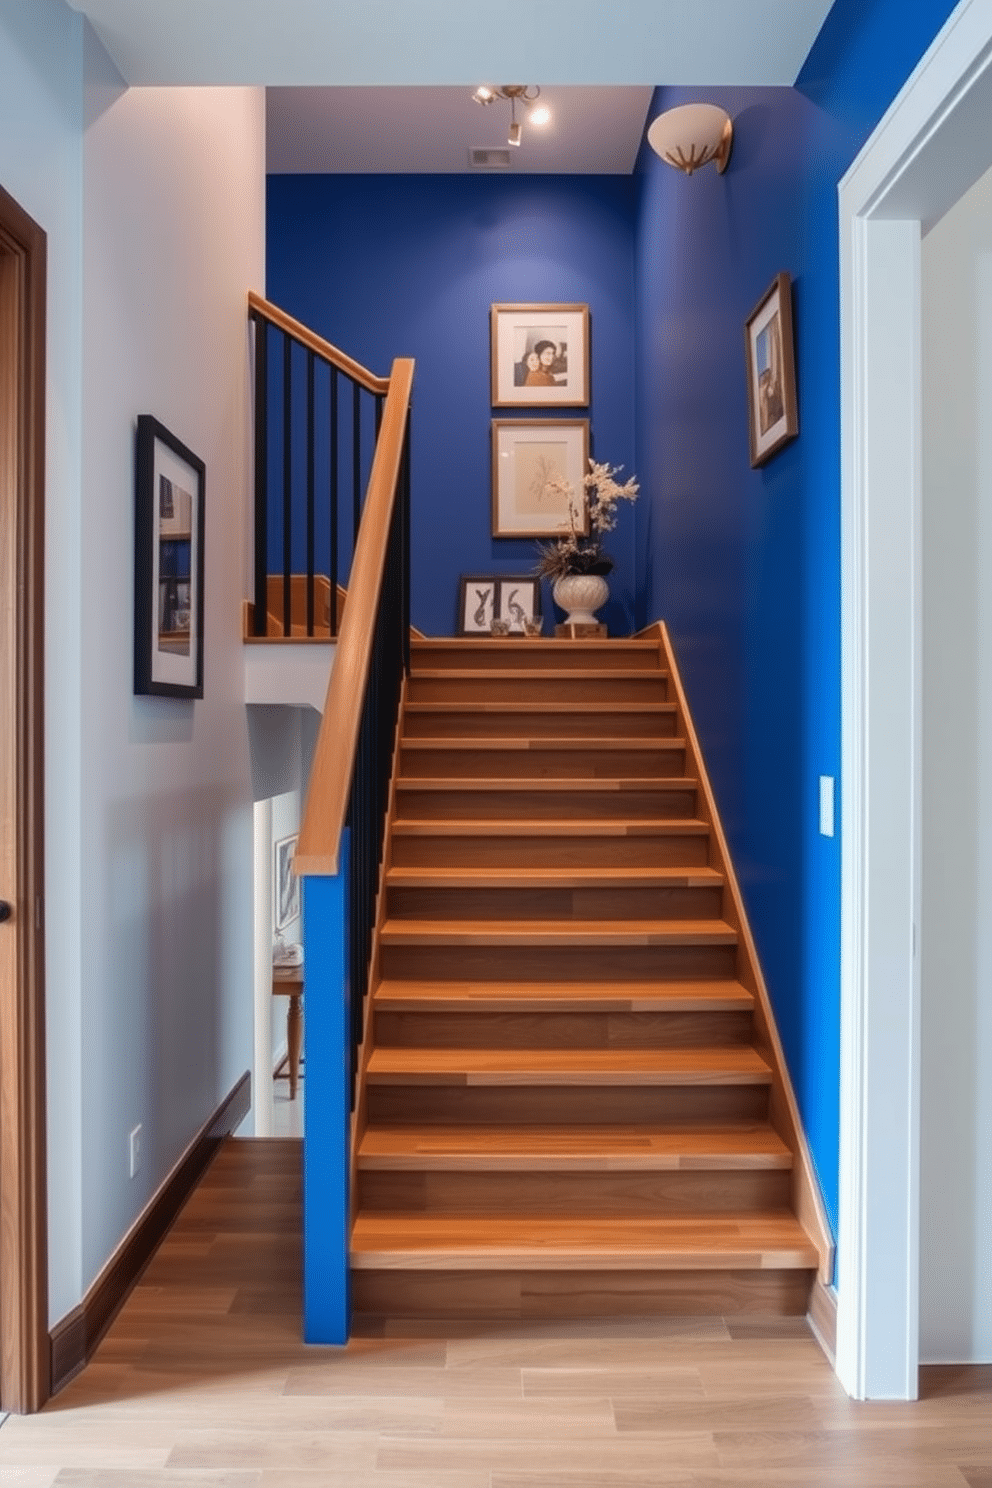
(572, 1099)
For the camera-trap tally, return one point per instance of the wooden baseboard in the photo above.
(822, 1318)
(74, 1338)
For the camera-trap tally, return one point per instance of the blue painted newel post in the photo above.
(326, 1106)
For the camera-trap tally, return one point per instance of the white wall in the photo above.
(173, 240)
(41, 102)
(956, 932)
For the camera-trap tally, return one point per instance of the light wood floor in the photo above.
(203, 1381)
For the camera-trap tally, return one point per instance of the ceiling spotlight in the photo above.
(514, 93)
(692, 136)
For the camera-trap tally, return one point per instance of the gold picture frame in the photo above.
(539, 355)
(773, 416)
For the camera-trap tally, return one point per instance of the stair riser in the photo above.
(590, 1193)
(556, 904)
(545, 850)
(550, 687)
(559, 963)
(472, 723)
(514, 655)
(580, 1294)
(542, 764)
(658, 803)
(564, 1105)
(561, 1030)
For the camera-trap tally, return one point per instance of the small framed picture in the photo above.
(168, 564)
(538, 469)
(519, 601)
(539, 356)
(773, 415)
(286, 885)
(478, 598)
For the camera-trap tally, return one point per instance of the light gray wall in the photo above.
(153, 202)
(41, 104)
(956, 928)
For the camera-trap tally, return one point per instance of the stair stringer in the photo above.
(807, 1197)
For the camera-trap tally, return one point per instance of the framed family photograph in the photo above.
(539, 356)
(773, 415)
(168, 566)
(511, 598)
(538, 466)
(286, 886)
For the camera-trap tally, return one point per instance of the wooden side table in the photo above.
(287, 981)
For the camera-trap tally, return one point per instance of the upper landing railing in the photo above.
(317, 419)
(339, 851)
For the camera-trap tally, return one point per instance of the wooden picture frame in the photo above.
(528, 458)
(539, 356)
(168, 565)
(773, 417)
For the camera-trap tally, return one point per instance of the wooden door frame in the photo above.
(24, 1344)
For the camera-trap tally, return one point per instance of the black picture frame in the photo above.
(483, 598)
(169, 526)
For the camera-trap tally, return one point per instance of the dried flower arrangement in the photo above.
(597, 501)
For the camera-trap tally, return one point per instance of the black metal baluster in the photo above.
(310, 490)
(356, 459)
(334, 501)
(260, 617)
(287, 485)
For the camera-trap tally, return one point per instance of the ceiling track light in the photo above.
(514, 93)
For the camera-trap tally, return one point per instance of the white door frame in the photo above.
(928, 149)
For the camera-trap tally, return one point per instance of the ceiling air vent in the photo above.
(488, 157)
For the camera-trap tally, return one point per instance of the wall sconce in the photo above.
(692, 136)
(522, 93)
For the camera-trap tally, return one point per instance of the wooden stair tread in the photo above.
(535, 643)
(554, 878)
(561, 997)
(555, 1149)
(487, 674)
(730, 1065)
(572, 785)
(442, 1242)
(558, 932)
(547, 744)
(527, 706)
(561, 827)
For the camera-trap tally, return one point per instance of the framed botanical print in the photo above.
(539, 356)
(538, 469)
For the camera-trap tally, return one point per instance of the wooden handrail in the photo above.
(315, 343)
(334, 759)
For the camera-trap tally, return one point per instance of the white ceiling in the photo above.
(348, 77)
(592, 130)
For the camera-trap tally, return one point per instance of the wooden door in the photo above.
(24, 1348)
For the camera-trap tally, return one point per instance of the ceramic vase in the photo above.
(580, 595)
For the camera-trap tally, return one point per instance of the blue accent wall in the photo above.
(745, 565)
(387, 266)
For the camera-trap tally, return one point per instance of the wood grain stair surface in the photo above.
(555, 1149)
(451, 1242)
(563, 1078)
(547, 997)
(720, 1066)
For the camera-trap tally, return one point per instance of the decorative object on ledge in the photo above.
(578, 562)
(773, 415)
(539, 356)
(168, 564)
(692, 135)
(580, 595)
(489, 602)
(535, 467)
(524, 94)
